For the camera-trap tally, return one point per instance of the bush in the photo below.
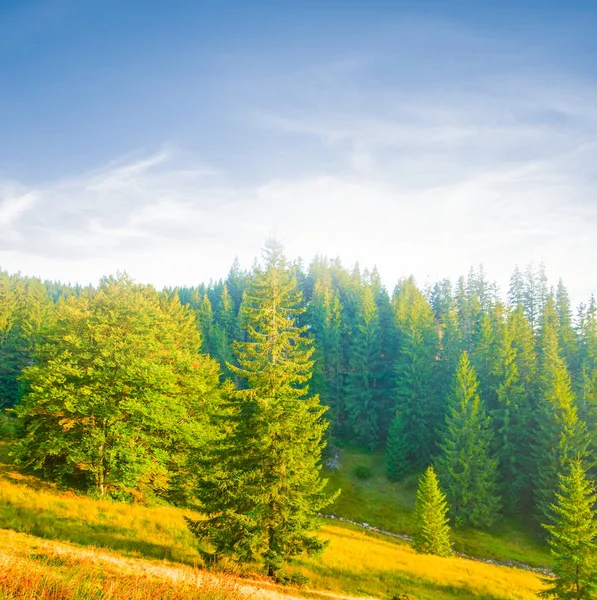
(362, 472)
(293, 578)
(9, 426)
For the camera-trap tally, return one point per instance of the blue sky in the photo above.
(165, 138)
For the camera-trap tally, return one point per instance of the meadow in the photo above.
(356, 563)
(368, 497)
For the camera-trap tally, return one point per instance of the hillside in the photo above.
(368, 497)
(103, 539)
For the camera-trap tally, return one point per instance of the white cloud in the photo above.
(425, 180)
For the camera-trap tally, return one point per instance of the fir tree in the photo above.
(572, 538)
(432, 531)
(325, 319)
(465, 467)
(561, 434)
(411, 439)
(510, 421)
(265, 487)
(362, 396)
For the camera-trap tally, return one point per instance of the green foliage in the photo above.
(324, 314)
(412, 435)
(264, 487)
(561, 435)
(466, 469)
(118, 391)
(25, 307)
(510, 420)
(432, 533)
(362, 396)
(572, 537)
(362, 472)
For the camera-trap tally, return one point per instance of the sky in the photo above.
(167, 138)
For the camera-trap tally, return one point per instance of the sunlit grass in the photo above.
(361, 564)
(390, 506)
(355, 563)
(33, 569)
(28, 505)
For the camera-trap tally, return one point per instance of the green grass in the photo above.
(389, 506)
(356, 562)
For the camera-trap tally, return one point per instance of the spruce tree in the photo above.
(572, 537)
(510, 421)
(264, 490)
(561, 434)
(432, 531)
(411, 439)
(324, 315)
(466, 469)
(362, 396)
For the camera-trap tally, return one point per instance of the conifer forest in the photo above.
(231, 395)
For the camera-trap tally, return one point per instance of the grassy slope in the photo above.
(389, 506)
(355, 563)
(35, 569)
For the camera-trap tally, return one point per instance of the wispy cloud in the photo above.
(416, 177)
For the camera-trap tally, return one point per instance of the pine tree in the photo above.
(411, 439)
(362, 395)
(566, 334)
(561, 434)
(586, 387)
(572, 538)
(432, 531)
(264, 488)
(466, 469)
(324, 315)
(510, 421)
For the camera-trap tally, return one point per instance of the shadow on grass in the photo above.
(51, 525)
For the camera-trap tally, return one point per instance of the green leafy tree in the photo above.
(466, 469)
(264, 489)
(432, 531)
(572, 538)
(117, 388)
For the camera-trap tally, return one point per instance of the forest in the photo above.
(227, 396)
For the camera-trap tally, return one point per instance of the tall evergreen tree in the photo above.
(265, 487)
(411, 439)
(362, 394)
(465, 467)
(587, 378)
(510, 421)
(561, 434)
(432, 531)
(573, 537)
(566, 335)
(325, 320)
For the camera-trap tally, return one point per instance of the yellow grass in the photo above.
(361, 564)
(41, 570)
(355, 563)
(28, 505)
